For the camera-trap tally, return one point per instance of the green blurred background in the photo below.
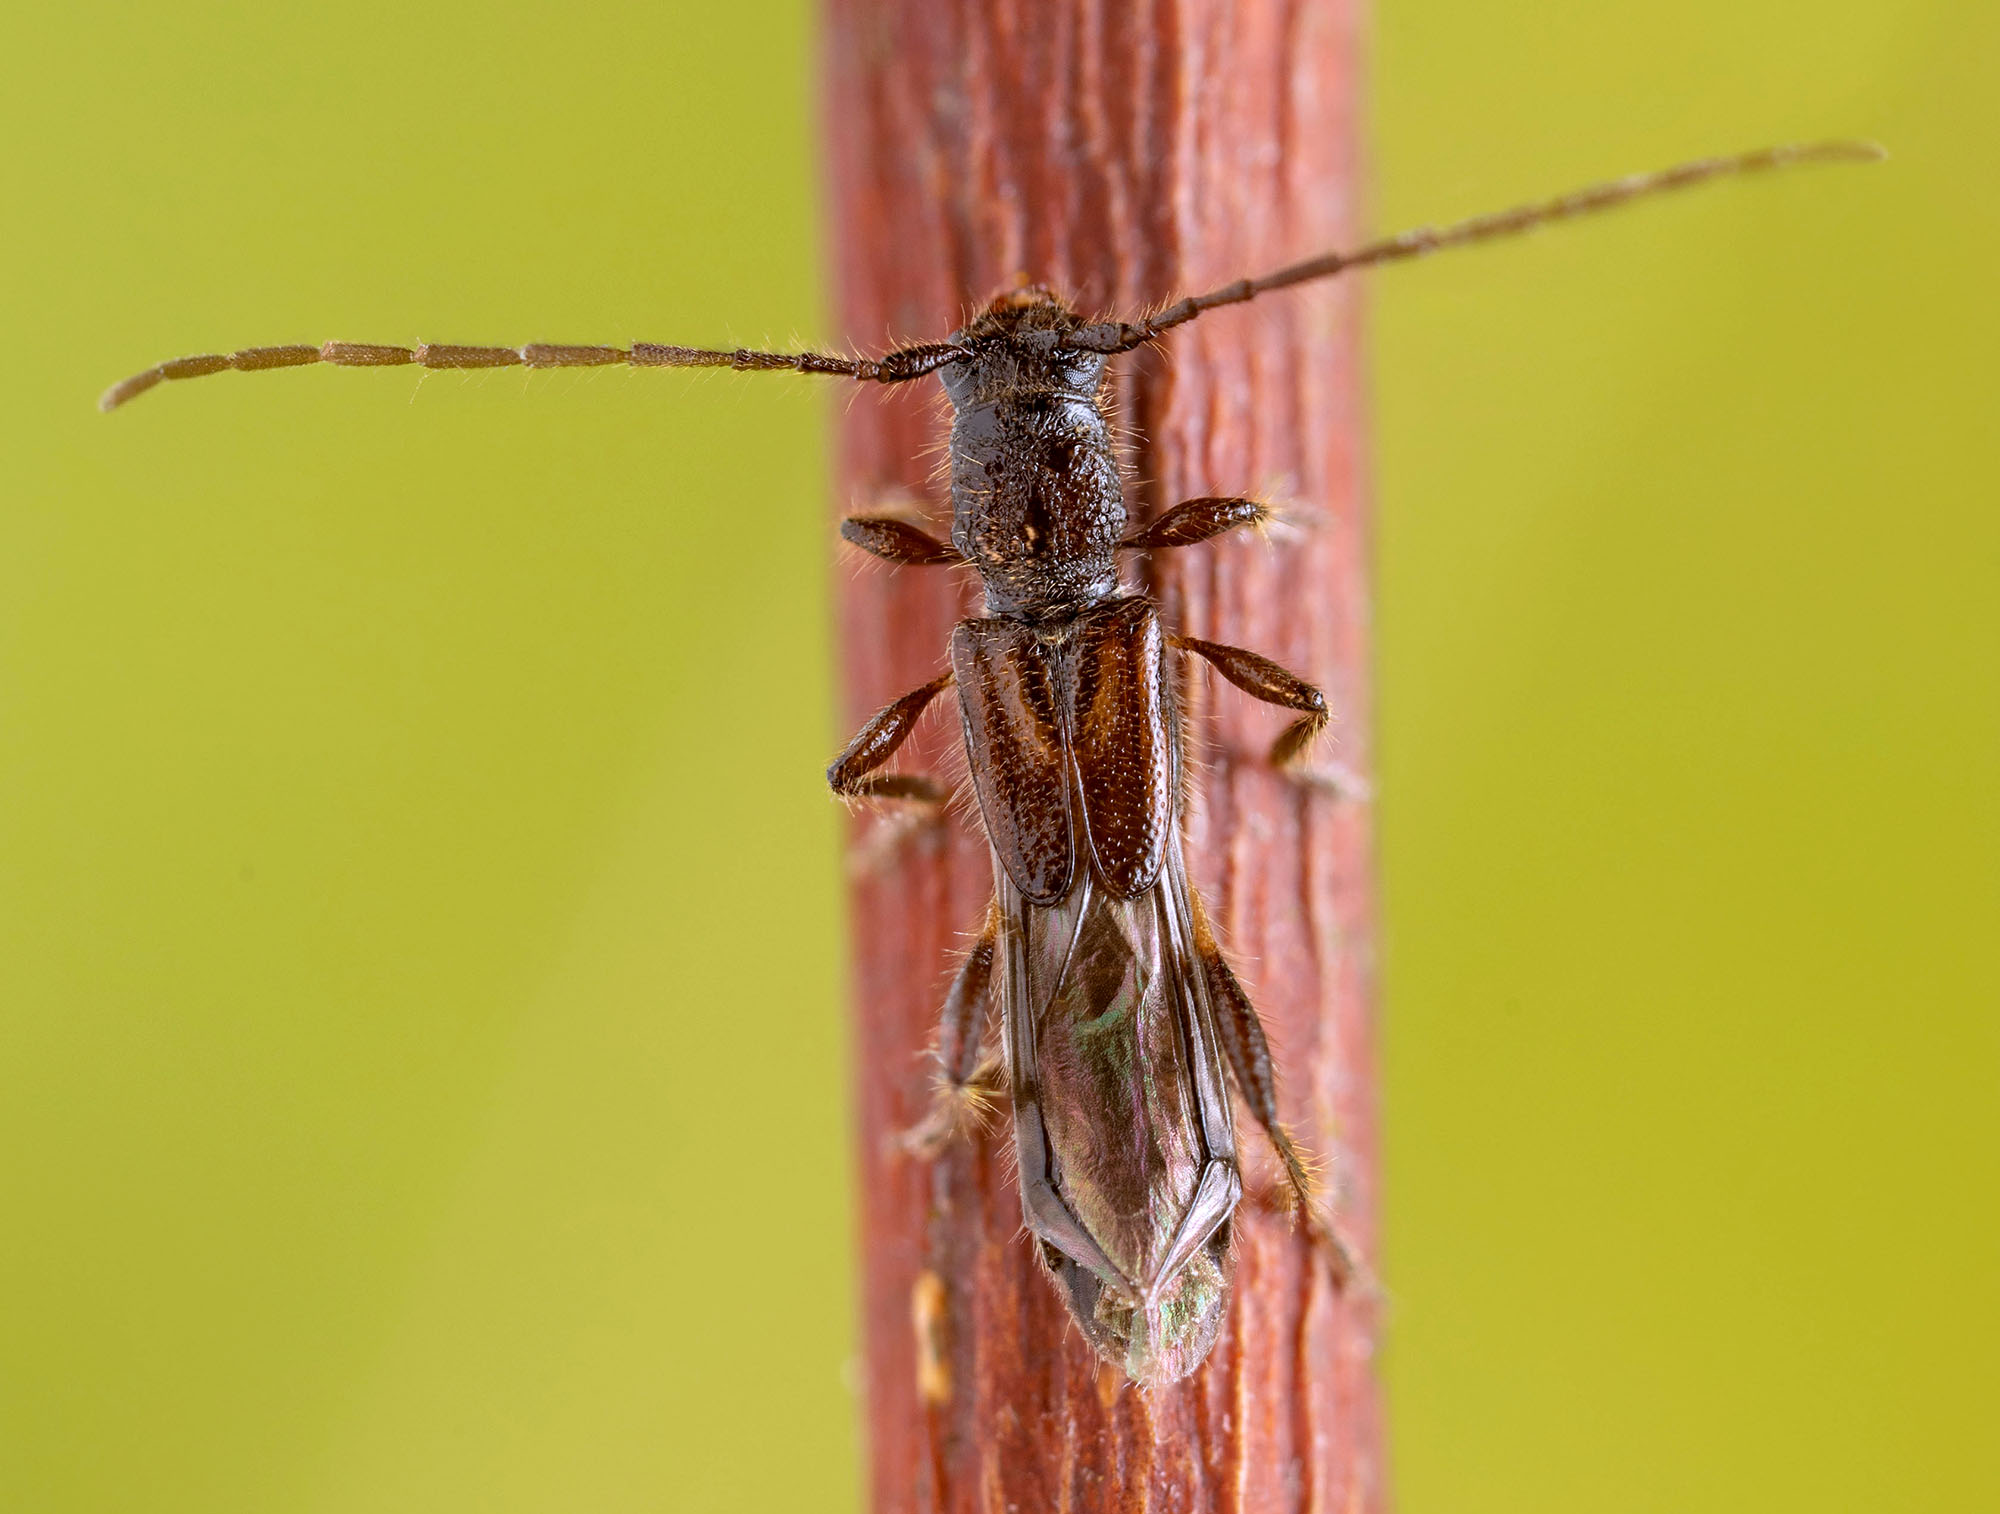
(421, 1061)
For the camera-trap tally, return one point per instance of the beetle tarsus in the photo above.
(1336, 779)
(914, 817)
(956, 1108)
(968, 1075)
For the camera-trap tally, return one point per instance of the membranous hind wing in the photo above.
(1122, 1126)
(1121, 1123)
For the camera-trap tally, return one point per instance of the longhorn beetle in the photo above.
(1119, 1014)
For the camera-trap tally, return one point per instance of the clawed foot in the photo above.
(1332, 778)
(1351, 1276)
(955, 1109)
(907, 819)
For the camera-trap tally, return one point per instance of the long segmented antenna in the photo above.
(892, 368)
(1122, 336)
(907, 363)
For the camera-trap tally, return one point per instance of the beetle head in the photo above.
(1016, 349)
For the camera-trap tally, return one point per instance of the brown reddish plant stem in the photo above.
(1124, 154)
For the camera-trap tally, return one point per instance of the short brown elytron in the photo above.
(1123, 1029)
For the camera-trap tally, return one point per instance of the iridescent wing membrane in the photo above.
(1121, 1116)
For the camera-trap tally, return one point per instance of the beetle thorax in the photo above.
(1037, 502)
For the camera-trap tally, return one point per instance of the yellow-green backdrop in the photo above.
(421, 1059)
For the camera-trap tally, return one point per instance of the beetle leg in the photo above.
(1336, 778)
(918, 817)
(1249, 1055)
(1261, 678)
(853, 775)
(1198, 520)
(896, 540)
(967, 1074)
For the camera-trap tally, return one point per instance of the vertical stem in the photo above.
(1123, 153)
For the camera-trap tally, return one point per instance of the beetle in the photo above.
(1123, 1028)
